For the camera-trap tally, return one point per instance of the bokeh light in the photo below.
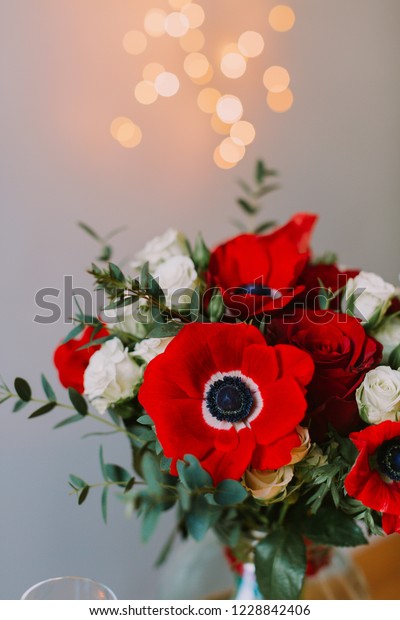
(221, 163)
(166, 84)
(207, 100)
(229, 109)
(196, 65)
(145, 92)
(281, 18)
(194, 13)
(176, 24)
(280, 102)
(251, 44)
(178, 4)
(243, 133)
(152, 70)
(193, 41)
(276, 79)
(134, 42)
(233, 65)
(221, 128)
(154, 22)
(126, 132)
(231, 152)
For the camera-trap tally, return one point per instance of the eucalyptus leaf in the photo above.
(230, 492)
(42, 410)
(117, 474)
(73, 333)
(71, 420)
(19, 404)
(192, 475)
(48, 390)
(77, 482)
(149, 522)
(116, 273)
(165, 330)
(247, 207)
(83, 495)
(89, 231)
(23, 389)
(78, 401)
(199, 519)
(104, 504)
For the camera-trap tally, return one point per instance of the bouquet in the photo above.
(258, 387)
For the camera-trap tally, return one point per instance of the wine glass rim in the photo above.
(69, 578)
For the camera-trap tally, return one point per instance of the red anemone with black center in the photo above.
(220, 393)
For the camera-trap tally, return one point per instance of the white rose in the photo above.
(178, 278)
(388, 334)
(268, 486)
(378, 397)
(149, 348)
(367, 296)
(160, 249)
(111, 375)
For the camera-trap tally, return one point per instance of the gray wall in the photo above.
(65, 76)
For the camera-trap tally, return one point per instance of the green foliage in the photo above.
(200, 254)
(48, 390)
(43, 410)
(78, 402)
(192, 475)
(105, 248)
(280, 560)
(230, 492)
(330, 526)
(216, 307)
(250, 203)
(23, 389)
(394, 358)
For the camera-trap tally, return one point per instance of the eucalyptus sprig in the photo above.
(250, 204)
(106, 249)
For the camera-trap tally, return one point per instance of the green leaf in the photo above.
(67, 421)
(229, 492)
(216, 307)
(116, 473)
(280, 560)
(184, 497)
(166, 550)
(130, 484)
(23, 389)
(116, 273)
(20, 404)
(264, 226)
(247, 206)
(89, 231)
(102, 464)
(83, 495)
(144, 276)
(199, 519)
(74, 332)
(145, 420)
(245, 186)
(151, 472)
(77, 482)
(149, 522)
(332, 527)
(42, 410)
(165, 330)
(106, 253)
(191, 473)
(394, 358)
(104, 503)
(201, 253)
(78, 401)
(48, 390)
(267, 189)
(96, 342)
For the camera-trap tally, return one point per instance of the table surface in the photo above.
(380, 563)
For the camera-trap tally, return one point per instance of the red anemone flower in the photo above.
(71, 362)
(375, 477)
(259, 273)
(220, 393)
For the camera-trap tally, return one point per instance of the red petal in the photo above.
(295, 362)
(391, 523)
(221, 465)
(277, 454)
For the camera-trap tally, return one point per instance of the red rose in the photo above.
(220, 393)
(342, 353)
(375, 477)
(72, 363)
(330, 276)
(260, 273)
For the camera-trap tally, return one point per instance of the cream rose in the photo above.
(388, 334)
(301, 451)
(149, 348)
(160, 249)
(268, 486)
(378, 397)
(112, 375)
(367, 296)
(177, 277)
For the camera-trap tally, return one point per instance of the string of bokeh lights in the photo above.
(226, 110)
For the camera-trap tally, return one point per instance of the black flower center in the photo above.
(388, 456)
(229, 399)
(258, 290)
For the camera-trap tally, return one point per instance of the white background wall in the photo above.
(64, 77)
